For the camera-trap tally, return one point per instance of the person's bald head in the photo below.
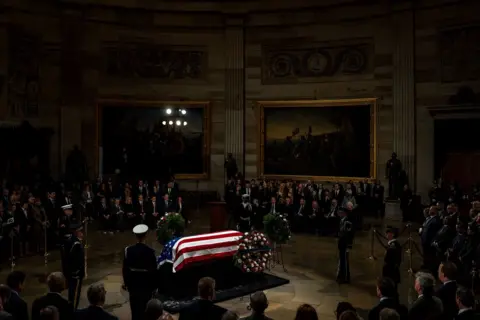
(56, 282)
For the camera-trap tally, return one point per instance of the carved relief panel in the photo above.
(459, 49)
(316, 62)
(23, 83)
(144, 60)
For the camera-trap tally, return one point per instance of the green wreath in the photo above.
(169, 226)
(253, 252)
(277, 228)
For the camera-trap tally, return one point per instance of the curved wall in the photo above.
(408, 67)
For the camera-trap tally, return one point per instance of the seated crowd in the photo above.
(310, 207)
(449, 301)
(35, 216)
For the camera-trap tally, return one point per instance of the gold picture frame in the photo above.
(261, 105)
(161, 104)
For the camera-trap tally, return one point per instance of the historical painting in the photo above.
(324, 140)
(154, 139)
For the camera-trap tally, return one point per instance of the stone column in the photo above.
(404, 92)
(71, 86)
(234, 90)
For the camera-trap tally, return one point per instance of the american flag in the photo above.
(182, 251)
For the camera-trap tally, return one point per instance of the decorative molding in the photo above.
(23, 84)
(458, 48)
(151, 61)
(316, 63)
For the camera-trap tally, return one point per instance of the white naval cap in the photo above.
(140, 229)
(67, 206)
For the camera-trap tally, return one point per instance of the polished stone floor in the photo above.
(310, 261)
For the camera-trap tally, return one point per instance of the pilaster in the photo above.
(71, 87)
(404, 92)
(234, 89)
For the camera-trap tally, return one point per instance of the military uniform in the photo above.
(73, 265)
(345, 242)
(392, 261)
(139, 274)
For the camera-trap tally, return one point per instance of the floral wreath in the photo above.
(253, 252)
(277, 228)
(169, 226)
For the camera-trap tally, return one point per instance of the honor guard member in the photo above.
(393, 256)
(245, 214)
(65, 220)
(345, 242)
(73, 262)
(139, 272)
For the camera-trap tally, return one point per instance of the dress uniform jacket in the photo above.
(73, 258)
(139, 276)
(65, 309)
(392, 261)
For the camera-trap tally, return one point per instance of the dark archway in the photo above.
(25, 153)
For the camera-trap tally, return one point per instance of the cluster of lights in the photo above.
(169, 112)
(177, 123)
(181, 111)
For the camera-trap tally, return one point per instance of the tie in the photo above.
(169, 190)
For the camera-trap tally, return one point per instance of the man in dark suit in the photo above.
(300, 216)
(447, 273)
(16, 306)
(338, 193)
(393, 256)
(465, 303)
(167, 205)
(427, 306)
(96, 297)
(56, 284)
(387, 293)
(23, 222)
(377, 201)
(5, 294)
(428, 232)
(258, 304)
(141, 189)
(203, 308)
(344, 243)
(171, 191)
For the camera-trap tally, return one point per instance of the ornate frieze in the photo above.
(23, 83)
(144, 60)
(459, 49)
(314, 62)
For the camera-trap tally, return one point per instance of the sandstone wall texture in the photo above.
(413, 59)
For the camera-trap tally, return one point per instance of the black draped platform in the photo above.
(178, 290)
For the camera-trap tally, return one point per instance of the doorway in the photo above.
(457, 151)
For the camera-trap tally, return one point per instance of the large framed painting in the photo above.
(153, 139)
(324, 140)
